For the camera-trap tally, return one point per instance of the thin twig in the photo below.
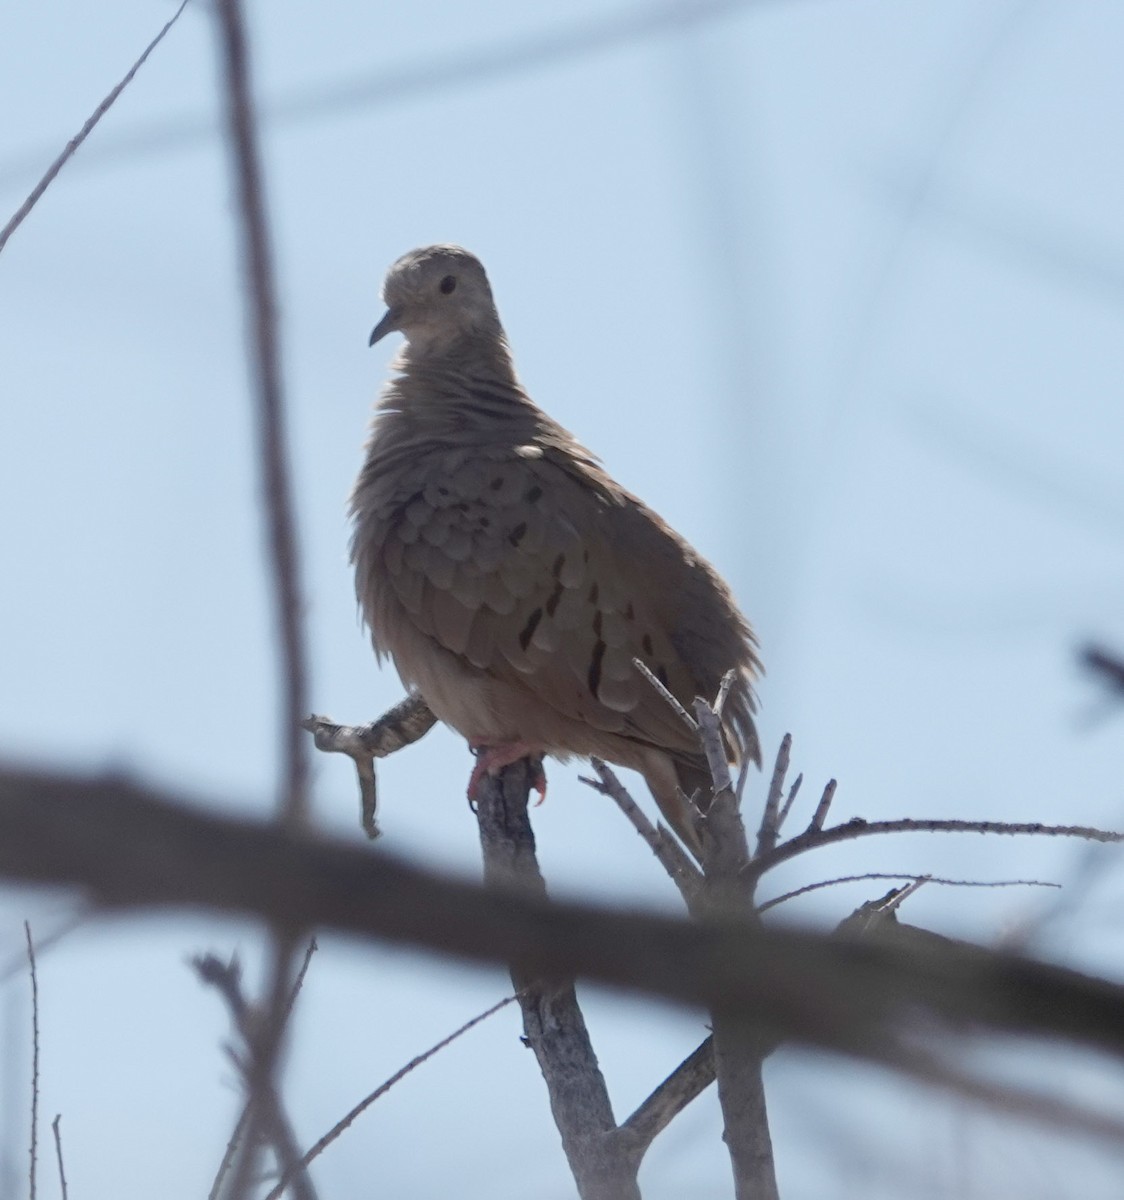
(76, 141)
(674, 860)
(668, 698)
(18, 962)
(813, 839)
(58, 1153)
(233, 1142)
(769, 830)
(430, 73)
(345, 1122)
(34, 1059)
(786, 808)
(976, 883)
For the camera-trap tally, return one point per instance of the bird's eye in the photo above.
(448, 284)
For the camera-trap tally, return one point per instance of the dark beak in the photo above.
(388, 324)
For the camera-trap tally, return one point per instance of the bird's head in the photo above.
(437, 296)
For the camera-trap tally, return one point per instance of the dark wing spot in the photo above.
(594, 678)
(594, 595)
(518, 533)
(552, 601)
(442, 490)
(559, 563)
(496, 483)
(661, 675)
(630, 613)
(646, 643)
(483, 522)
(533, 494)
(528, 630)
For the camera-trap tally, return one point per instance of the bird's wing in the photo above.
(532, 565)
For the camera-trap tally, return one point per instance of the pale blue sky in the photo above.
(835, 286)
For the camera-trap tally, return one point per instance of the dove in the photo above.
(512, 581)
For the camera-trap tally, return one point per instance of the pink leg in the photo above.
(490, 760)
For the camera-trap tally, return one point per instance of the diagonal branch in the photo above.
(674, 860)
(687, 1082)
(345, 1122)
(52, 171)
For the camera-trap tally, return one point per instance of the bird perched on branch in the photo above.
(512, 580)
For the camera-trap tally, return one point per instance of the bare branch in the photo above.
(724, 692)
(227, 979)
(813, 839)
(789, 801)
(76, 141)
(33, 1152)
(690, 1079)
(820, 815)
(235, 1140)
(431, 73)
(668, 698)
(977, 883)
(673, 858)
(399, 726)
(262, 312)
(282, 545)
(18, 962)
(345, 1122)
(710, 735)
(770, 827)
(553, 1023)
(57, 1132)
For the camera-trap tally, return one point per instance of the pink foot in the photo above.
(490, 760)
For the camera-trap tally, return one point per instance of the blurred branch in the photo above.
(342, 1125)
(261, 303)
(226, 977)
(241, 1125)
(264, 1047)
(430, 74)
(673, 858)
(1108, 668)
(76, 141)
(129, 846)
